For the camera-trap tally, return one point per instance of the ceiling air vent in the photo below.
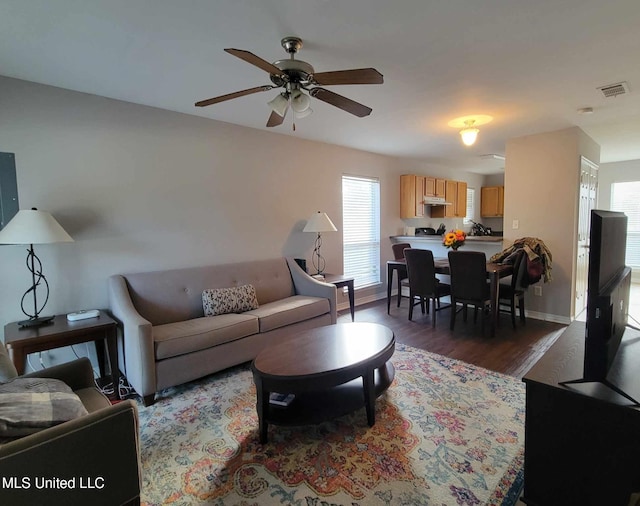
(613, 90)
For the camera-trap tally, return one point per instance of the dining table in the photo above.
(495, 272)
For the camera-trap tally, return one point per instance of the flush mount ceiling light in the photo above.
(469, 124)
(469, 134)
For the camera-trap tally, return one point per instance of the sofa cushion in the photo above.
(289, 310)
(173, 339)
(28, 405)
(236, 299)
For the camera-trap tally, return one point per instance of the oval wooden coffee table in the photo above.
(331, 370)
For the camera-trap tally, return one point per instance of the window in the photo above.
(471, 202)
(361, 229)
(624, 197)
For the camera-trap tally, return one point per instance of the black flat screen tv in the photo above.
(608, 290)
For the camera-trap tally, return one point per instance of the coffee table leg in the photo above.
(262, 407)
(369, 397)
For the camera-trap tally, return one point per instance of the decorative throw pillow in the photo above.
(236, 299)
(28, 405)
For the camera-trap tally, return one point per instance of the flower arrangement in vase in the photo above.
(454, 239)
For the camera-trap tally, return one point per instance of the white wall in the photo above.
(541, 193)
(617, 172)
(141, 189)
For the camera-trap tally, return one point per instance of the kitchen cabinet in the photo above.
(456, 193)
(492, 201)
(412, 192)
(434, 187)
(430, 186)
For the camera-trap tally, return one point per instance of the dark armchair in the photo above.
(97, 454)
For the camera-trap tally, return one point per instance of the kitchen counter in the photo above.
(438, 238)
(489, 245)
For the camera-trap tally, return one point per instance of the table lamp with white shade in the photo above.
(318, 223)
(29, 227)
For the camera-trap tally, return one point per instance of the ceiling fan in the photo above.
(297, 76)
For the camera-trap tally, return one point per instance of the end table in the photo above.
(21, 341)
(340, 281)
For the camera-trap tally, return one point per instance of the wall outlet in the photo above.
(537, 290)
(515, 224)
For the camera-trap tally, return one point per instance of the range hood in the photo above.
(435, 201)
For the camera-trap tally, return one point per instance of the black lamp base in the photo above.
(36, 322)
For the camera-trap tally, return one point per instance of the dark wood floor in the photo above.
(510, 351)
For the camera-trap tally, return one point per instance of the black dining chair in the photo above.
(469, 284)
(423, 284)
(398, 254)
(512, 289)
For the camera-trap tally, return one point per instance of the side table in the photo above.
(21, 341)
(341, 281)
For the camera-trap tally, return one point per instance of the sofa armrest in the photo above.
(7, 369)
(99, 452)
(306, 285)
(139, 356)
(77, 374)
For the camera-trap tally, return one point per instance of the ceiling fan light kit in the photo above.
(279, 104)
(296, 77)
(300, 102)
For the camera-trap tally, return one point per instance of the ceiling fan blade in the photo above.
(275, 119)
(229, 96)
(344, 103)
(355, 76)
(254, 60)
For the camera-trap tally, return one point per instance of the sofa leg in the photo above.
(148, 400)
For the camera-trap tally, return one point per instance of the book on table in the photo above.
(281, 399)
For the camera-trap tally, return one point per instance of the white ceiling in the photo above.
(529, 64)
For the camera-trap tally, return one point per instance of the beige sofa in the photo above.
(165, 339)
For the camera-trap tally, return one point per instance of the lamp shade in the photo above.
(279, 104)
(300, 102)
(31, 226)
(304, 113)
(319, 222)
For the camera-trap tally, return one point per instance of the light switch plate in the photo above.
(515, 224)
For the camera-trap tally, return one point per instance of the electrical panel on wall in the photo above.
(8, 188)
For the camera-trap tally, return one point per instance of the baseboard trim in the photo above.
(553, 318)
(344, 306)
(536, 315)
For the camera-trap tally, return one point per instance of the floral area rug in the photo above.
(446, 433)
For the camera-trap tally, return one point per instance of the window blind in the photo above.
(470, 206)
(361, 229)
(624, 197)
